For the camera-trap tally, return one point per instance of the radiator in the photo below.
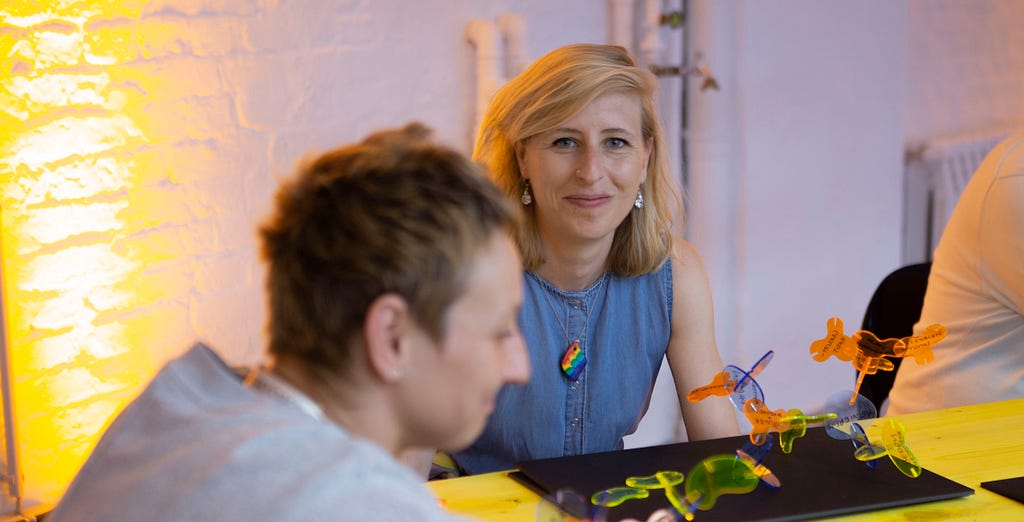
(936, 172)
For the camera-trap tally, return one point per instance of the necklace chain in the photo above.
(586, 321)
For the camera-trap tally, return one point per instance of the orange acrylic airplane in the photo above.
(869, 354)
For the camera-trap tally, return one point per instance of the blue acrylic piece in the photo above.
(846, 415)
(863, 449)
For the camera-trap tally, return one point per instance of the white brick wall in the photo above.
(965, 66)
(226, 96)
(213, 101)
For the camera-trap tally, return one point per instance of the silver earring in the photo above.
(577, 172)
(639, 202)
(526, 198)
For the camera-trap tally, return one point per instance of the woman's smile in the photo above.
(588, 201)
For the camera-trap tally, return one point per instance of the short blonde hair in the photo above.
(552, 90)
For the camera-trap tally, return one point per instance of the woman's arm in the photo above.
(692, 353)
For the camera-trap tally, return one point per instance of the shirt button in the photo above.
(575, 422)
(574, 384)
(576, 303)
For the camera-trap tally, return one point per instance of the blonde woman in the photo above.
(608, 290)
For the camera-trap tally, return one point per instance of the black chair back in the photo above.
(892, 312)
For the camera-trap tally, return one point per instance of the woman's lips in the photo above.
(588, 201)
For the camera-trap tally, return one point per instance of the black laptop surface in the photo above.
(820, 478)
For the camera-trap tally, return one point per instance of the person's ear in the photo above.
(520, 150)
(386, 323)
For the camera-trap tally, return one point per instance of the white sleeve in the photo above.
(1002, 232)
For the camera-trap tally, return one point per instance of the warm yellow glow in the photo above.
(58, 90)
(78, 340)
(50, 48)
(49, 225)
(53, 141)
(80, 179)
(102, 342)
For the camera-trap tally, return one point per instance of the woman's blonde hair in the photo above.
(552, 90)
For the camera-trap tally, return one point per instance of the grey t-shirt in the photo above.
(199, 445)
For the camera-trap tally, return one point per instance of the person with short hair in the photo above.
(609, 289)
(393, 286)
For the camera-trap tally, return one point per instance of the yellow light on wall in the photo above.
(78, 350)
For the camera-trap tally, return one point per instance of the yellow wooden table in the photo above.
(970, 445)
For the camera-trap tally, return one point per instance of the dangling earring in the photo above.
(526, 198)
(639, 202)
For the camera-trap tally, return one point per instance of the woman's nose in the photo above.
(589, 167)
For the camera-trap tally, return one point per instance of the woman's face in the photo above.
(585, 173)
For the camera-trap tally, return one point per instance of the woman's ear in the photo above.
(520, 150)
(386, 323)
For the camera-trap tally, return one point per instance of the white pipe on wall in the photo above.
(712, 143)
(484, 37)
(651, 46)
(513, 30)
(663, 423)
(620, 27)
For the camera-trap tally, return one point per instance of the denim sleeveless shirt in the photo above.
(624, 341)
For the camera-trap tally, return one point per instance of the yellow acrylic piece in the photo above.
(864, 450)
(656, 481)
(790, 425)
(718, 475)
(666, 480)
(894, 440)
(869, 451)
(612, 497)
(798, 427)
(677, 500)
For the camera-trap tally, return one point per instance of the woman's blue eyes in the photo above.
(613, 143)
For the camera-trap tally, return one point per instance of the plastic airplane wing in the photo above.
(870, 345)
(835, 343)
(721, 385)
(920, 347)
(763, 420)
